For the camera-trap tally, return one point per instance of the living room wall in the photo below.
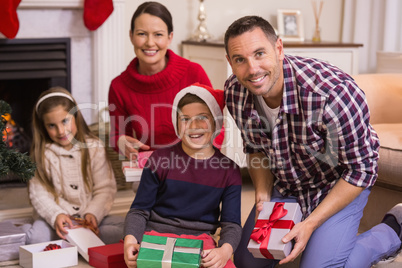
(221, 13)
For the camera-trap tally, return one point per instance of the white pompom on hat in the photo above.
(214, 99)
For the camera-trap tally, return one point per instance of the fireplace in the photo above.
(27, 68)
(95, 57)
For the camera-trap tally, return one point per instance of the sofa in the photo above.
(384, 97)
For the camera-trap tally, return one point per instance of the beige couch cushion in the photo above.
(390, 163)
(384, 96)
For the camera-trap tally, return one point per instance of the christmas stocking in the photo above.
(96, 12)
(9, 23)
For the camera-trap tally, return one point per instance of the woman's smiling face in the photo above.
(151, 40)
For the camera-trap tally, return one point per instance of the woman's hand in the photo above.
(129, 146)
(62, 220)
(131, 249)
(92, 222)
(217, 257)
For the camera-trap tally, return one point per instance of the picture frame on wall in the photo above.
(290, 25)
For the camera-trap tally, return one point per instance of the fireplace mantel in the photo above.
(107, 46)
(52, 4)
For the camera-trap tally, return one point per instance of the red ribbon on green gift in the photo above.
(263, 228)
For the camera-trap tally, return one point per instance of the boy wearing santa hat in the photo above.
(190, 189)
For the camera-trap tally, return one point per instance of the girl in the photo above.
(73, 176)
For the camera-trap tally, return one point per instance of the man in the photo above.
(310, 122)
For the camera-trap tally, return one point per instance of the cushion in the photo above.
(384, 96)
(390, 163)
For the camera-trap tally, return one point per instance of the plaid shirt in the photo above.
(322, 132)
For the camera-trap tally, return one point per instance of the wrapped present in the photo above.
(273, 223)
(160, 251)
(83, 238)
(143, 158)
(132, 170)
(11, 238)
(36, 255)
(107, 256)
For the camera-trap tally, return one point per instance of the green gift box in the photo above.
(168, 252)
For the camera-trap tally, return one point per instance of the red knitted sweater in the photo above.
(144, 103)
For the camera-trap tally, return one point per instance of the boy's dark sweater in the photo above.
(182, 195)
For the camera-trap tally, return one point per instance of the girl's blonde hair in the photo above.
(41, 137)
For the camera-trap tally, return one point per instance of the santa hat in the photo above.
(212, 97)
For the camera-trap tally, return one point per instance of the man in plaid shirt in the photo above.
(306, 132)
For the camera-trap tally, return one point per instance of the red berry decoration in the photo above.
(52, 247)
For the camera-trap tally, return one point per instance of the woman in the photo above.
(140, 99)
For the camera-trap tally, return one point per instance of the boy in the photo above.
(189, 189)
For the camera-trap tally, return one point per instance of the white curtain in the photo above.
(377, 24)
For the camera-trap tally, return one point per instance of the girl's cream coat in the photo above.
(64, 168)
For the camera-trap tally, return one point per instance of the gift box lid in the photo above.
(83, 239)
(294, 211)
(107, 253)
(11, 234)
(180, 252)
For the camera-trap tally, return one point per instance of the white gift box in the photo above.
(83, 239)
(131, 171)
(34, 256)
(11, 238)
(275, 249)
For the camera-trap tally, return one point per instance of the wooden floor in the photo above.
(14, 206)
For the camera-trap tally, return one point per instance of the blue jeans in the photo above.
(110, 230)
(334, 244)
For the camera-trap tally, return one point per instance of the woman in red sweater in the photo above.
(141, 98)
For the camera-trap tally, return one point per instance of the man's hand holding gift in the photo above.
(301, 234)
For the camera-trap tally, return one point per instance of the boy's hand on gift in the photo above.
(129, 146)
(92, 222)
(62, 220)
(217, 257)
(301, 233)
(131, 249)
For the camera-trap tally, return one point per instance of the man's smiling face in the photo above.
(257, 63)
